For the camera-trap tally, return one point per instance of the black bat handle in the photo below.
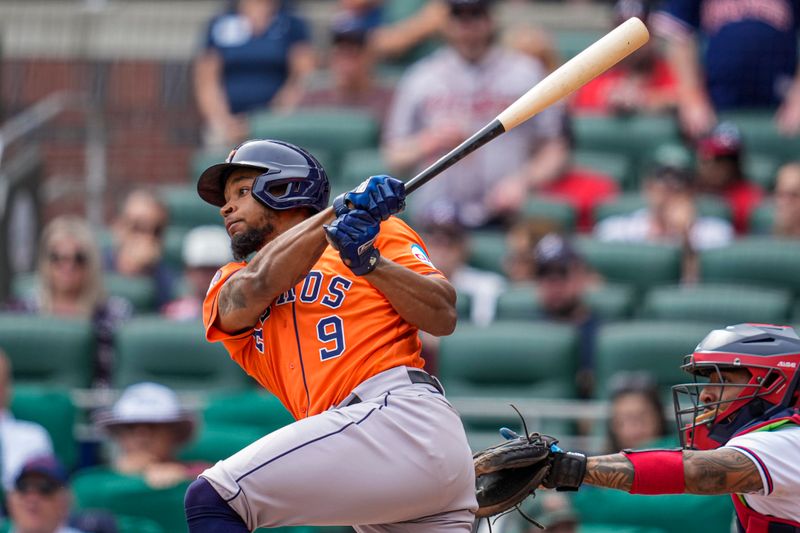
(478, 139)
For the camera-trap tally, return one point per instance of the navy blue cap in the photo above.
(553, 250)
(45, 465)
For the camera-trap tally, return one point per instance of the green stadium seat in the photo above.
(641, 265)
(755, 261)
(760, 134)
(609, 302)
(463, 305)
(175, 354)
(618, 166)
(557, 211)
(629, 202)
(720, 304)
(187, 209)
(334, 130)
(761, 169)
(762, 218)
(487, 250)
(139, 291)
(100, 488)
(397, 10)
(508, 359)
(53, 409)
(570, 42)
(256, 409)
(51, 352)
(633, 137)
(357, 166)
(137, 524)
(654, 346)
(173, 246)
(215, 443)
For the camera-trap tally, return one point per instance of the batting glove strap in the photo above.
(380, 196)
(567, 470)
(353, 235)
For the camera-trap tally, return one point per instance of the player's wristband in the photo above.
(657, 471)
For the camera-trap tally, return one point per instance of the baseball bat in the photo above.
(572, 75)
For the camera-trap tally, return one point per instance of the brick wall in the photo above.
(151, 124)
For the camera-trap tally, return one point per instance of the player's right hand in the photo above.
(353, 235)
(381, 196)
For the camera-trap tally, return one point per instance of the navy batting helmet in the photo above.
(772, 356)
(292, 177)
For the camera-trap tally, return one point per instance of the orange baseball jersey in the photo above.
(330, 332)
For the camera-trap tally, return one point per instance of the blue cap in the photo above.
(45, 465)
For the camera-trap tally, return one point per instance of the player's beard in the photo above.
(245, 243)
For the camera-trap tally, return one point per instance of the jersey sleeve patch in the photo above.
(418, 252)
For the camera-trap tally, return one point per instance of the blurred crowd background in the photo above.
(591, 247)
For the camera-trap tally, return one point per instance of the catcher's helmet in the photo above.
(770, 353)
(292, 177)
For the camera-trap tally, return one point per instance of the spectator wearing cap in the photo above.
(669, 216)
(562, 280)
(40, 499)
(352, 83)
(255, 56)
(147, 427)
(720, 173)
(205, 250)
(787, 202)
(19, 439)
(643, 82)
(449, 95)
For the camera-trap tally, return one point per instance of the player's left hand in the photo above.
(353, 235)
(381, 196)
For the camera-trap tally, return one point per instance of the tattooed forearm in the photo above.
(232, 297)
(721, 471)
(612, 471)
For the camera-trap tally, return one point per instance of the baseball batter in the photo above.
(331, 330)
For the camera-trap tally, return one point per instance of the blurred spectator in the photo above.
(787, 201)
(147, 428)
(519, 263)
(562, 282)
(400, 38)
(636, 418)
(535, 42)
(448, 248)
(749, 58)
(19, 439)
(642, 83)
(70, 285)
(40, 499)
(670, 216)
(255, 55)
(720, 173)
(452, 94)
(205, 250)
(138, 248)
(366, 14)
(353, 83)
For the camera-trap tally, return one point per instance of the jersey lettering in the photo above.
(336, 287)
(311, 286)
(258, 336)
(265, 315)
(286, 297)
(331, 330)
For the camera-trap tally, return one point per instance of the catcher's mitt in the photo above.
(509, 472)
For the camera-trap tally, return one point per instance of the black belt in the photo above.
(416, 376)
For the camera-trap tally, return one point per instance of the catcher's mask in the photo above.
(291, 176)
(771, 354)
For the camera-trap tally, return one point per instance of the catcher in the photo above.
(739, 425)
